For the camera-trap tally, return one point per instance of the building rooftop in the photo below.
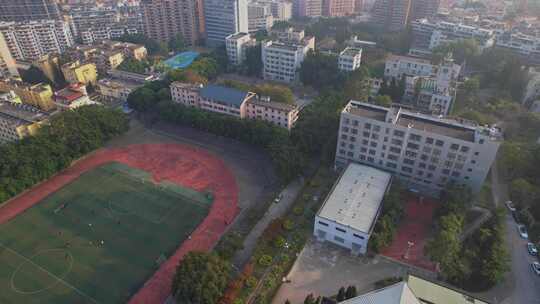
(21, 113)
(408, 58)
(114, 83)
(369, 111)
(223, 94)
(356, 197)
(434, 126)
(351, 52)
(237, 35)
(430, 292)
(399, 293)
(273, 105)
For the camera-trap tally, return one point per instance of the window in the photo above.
(481, 141)
(451, 155)
(372, 152)
(354, 131)
(435, 160)
(351, 146)
(422, 165)
(395, 150)
(455, 174)
(343, 136)
(406, 169)
(476, 153)
(352, 138)
(341, 151)
(429, 140)
(350, 154)
(410, 154)
(376, 128)
(340, 230)
(454, 147)
(373, 144)
(367, 126)
(345, 129)
(392, 157)
(445, 171)
(370, 159)
(396, 142)
(439, 143)
(365, 142)
(424, 157)
(374, 136)
(436, 152)
(427, 150)
(431, 168)
(465, 149)
(391, 165)
(338, 239)
(408, 161)
(413, 146)
(358, 236)
(399, 133)
(366, 134)
(415, 137)
(323, 223)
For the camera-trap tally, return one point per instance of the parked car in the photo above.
(536, 268)
(532, 249)
(510, 206)
(278, 198)
(523, 231)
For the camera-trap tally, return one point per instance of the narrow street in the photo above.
(521, 285)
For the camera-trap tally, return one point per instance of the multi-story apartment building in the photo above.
(236, 45)
(80, 20)
(308, 8)
(424, 9)
(108, 54)
(212, 98)
(33, 39)
(350, 59)
(223, 18)
(18, 120)
(426, 152)
(8, 67)
(282, 59)
(25, 10)
(282, 10)
(165, 19)
(94, 34)
(337, 8)
(259, 16)
(115, 90)
(392, 15)
(77, 72)
(37, 95)
(525, 46)
(280, 114)
(428, 87)
(428, 35)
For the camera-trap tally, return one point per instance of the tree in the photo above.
(351, 292)
(34, 76)
(254, 61)
(471, 86)
(277, 93)
(523, 193)
(142, 99)
(310, 299)
(177, 43)
(341, 295)
(383, 100)
(200, 278)
(357, 86)
(321, 71)
(134, 66)
(186, 76)
(151, 45)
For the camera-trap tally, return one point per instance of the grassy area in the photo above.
(97, 240)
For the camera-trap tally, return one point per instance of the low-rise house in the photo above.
(18, 120)
(72, 97)
(350, 59)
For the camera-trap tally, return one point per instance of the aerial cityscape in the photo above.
(269, 151)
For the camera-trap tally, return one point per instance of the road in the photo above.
(521, 285)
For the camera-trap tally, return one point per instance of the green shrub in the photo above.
(251, 282)
(265, 260)
(288, 224)
(298, 210)
(279, 242)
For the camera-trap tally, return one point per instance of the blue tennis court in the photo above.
(182, 60)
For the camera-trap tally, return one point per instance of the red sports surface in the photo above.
(184, 165)
(414, 228)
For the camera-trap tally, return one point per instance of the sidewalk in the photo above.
(275, 211)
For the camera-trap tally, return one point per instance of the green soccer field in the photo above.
(97, 240)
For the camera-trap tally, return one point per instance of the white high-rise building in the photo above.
(426, 152)
(223, 18)
(260, 16)
(7, 63)
(236, 45)
(282, 59)
(33, 39)
(350, 59)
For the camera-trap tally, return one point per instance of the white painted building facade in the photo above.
(349, 213)
(350, 59)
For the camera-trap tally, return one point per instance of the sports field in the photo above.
(97, 239)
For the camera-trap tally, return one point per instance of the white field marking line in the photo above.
(17, 290)
(51, 274)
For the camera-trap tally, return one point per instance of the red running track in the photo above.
(415, 228)
(184, 165)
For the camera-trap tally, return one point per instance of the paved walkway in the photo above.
(275, 211)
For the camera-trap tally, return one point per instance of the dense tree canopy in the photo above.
(201, 278)
(151, 45)
(69, 136)
(134, 66)
(321, 71)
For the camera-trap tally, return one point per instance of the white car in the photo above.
(523, 231)
(278, 198)
(532, 249)
(536, 267)
(510, 206)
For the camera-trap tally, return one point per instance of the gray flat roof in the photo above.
(437, 127)
(356, 197)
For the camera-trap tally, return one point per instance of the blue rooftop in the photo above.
(223, 94)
